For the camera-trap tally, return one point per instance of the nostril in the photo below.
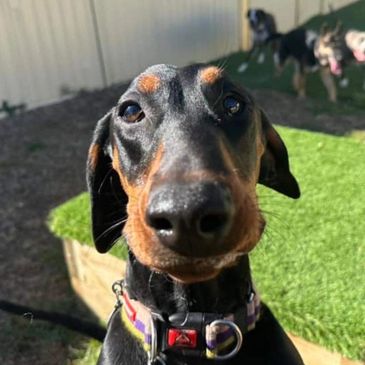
(160, 224)
(212, 223)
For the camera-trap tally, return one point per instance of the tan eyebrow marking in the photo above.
(93, 155)
(148, 83)
(210, 74)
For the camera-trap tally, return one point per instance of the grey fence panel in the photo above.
(52, 48)
(48, 50)
(145, 32)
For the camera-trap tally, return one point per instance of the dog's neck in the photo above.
(224, 294)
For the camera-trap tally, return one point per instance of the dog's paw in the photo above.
(261, 58)
(344, 82)
(242, 67)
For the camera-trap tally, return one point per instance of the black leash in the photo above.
(86, 328)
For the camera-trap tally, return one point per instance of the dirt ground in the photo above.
(42, 159)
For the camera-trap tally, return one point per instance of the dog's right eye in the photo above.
(131, 113)
(231, 105)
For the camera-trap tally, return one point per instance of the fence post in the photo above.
(99, 48)
(244, 33)
(296, 12)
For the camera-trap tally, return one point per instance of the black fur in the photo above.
(295, 44)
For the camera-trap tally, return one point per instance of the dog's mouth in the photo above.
(171, 238)
(359, 55)
(191, 270)
(335, 66)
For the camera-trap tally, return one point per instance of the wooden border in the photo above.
(93, 274)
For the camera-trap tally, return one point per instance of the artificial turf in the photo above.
(310, 264)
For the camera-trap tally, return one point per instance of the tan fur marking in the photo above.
(245, 233)
(141, 237)
(94, 151)
(148, 84)
(329, 83)
(260, 150)
(128, 188)
(210, 75)
(299, 84)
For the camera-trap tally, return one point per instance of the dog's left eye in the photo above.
(231, 105)
(132, 113)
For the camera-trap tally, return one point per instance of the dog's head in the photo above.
(330, 48)
(355, 41)
(256, 18)
(174, 165)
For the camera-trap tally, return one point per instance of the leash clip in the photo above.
(117, 289)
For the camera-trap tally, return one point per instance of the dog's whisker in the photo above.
(104, 179)
(112, 227)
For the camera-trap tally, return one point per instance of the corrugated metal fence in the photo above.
(49, 48)
(52, 48)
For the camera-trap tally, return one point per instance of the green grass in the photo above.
(310, 264)
(351, 16)
(262, 76)
(72, 220)
(88, 355)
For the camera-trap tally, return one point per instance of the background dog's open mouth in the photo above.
(335, 67)
(360, 56)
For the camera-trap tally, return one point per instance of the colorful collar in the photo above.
(209, 335)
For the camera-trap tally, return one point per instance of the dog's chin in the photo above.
(194, 270)
(191, 276)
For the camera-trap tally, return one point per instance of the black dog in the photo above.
(263, 27)
(173, 168)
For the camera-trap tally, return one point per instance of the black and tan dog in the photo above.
(336, 49)
(299, 45)
(263, 27)
(173, 168)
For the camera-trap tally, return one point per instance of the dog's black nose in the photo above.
(191, 219)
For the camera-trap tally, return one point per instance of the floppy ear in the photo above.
(274, 168)
(108, 199)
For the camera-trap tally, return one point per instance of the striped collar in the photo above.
(209, 335)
